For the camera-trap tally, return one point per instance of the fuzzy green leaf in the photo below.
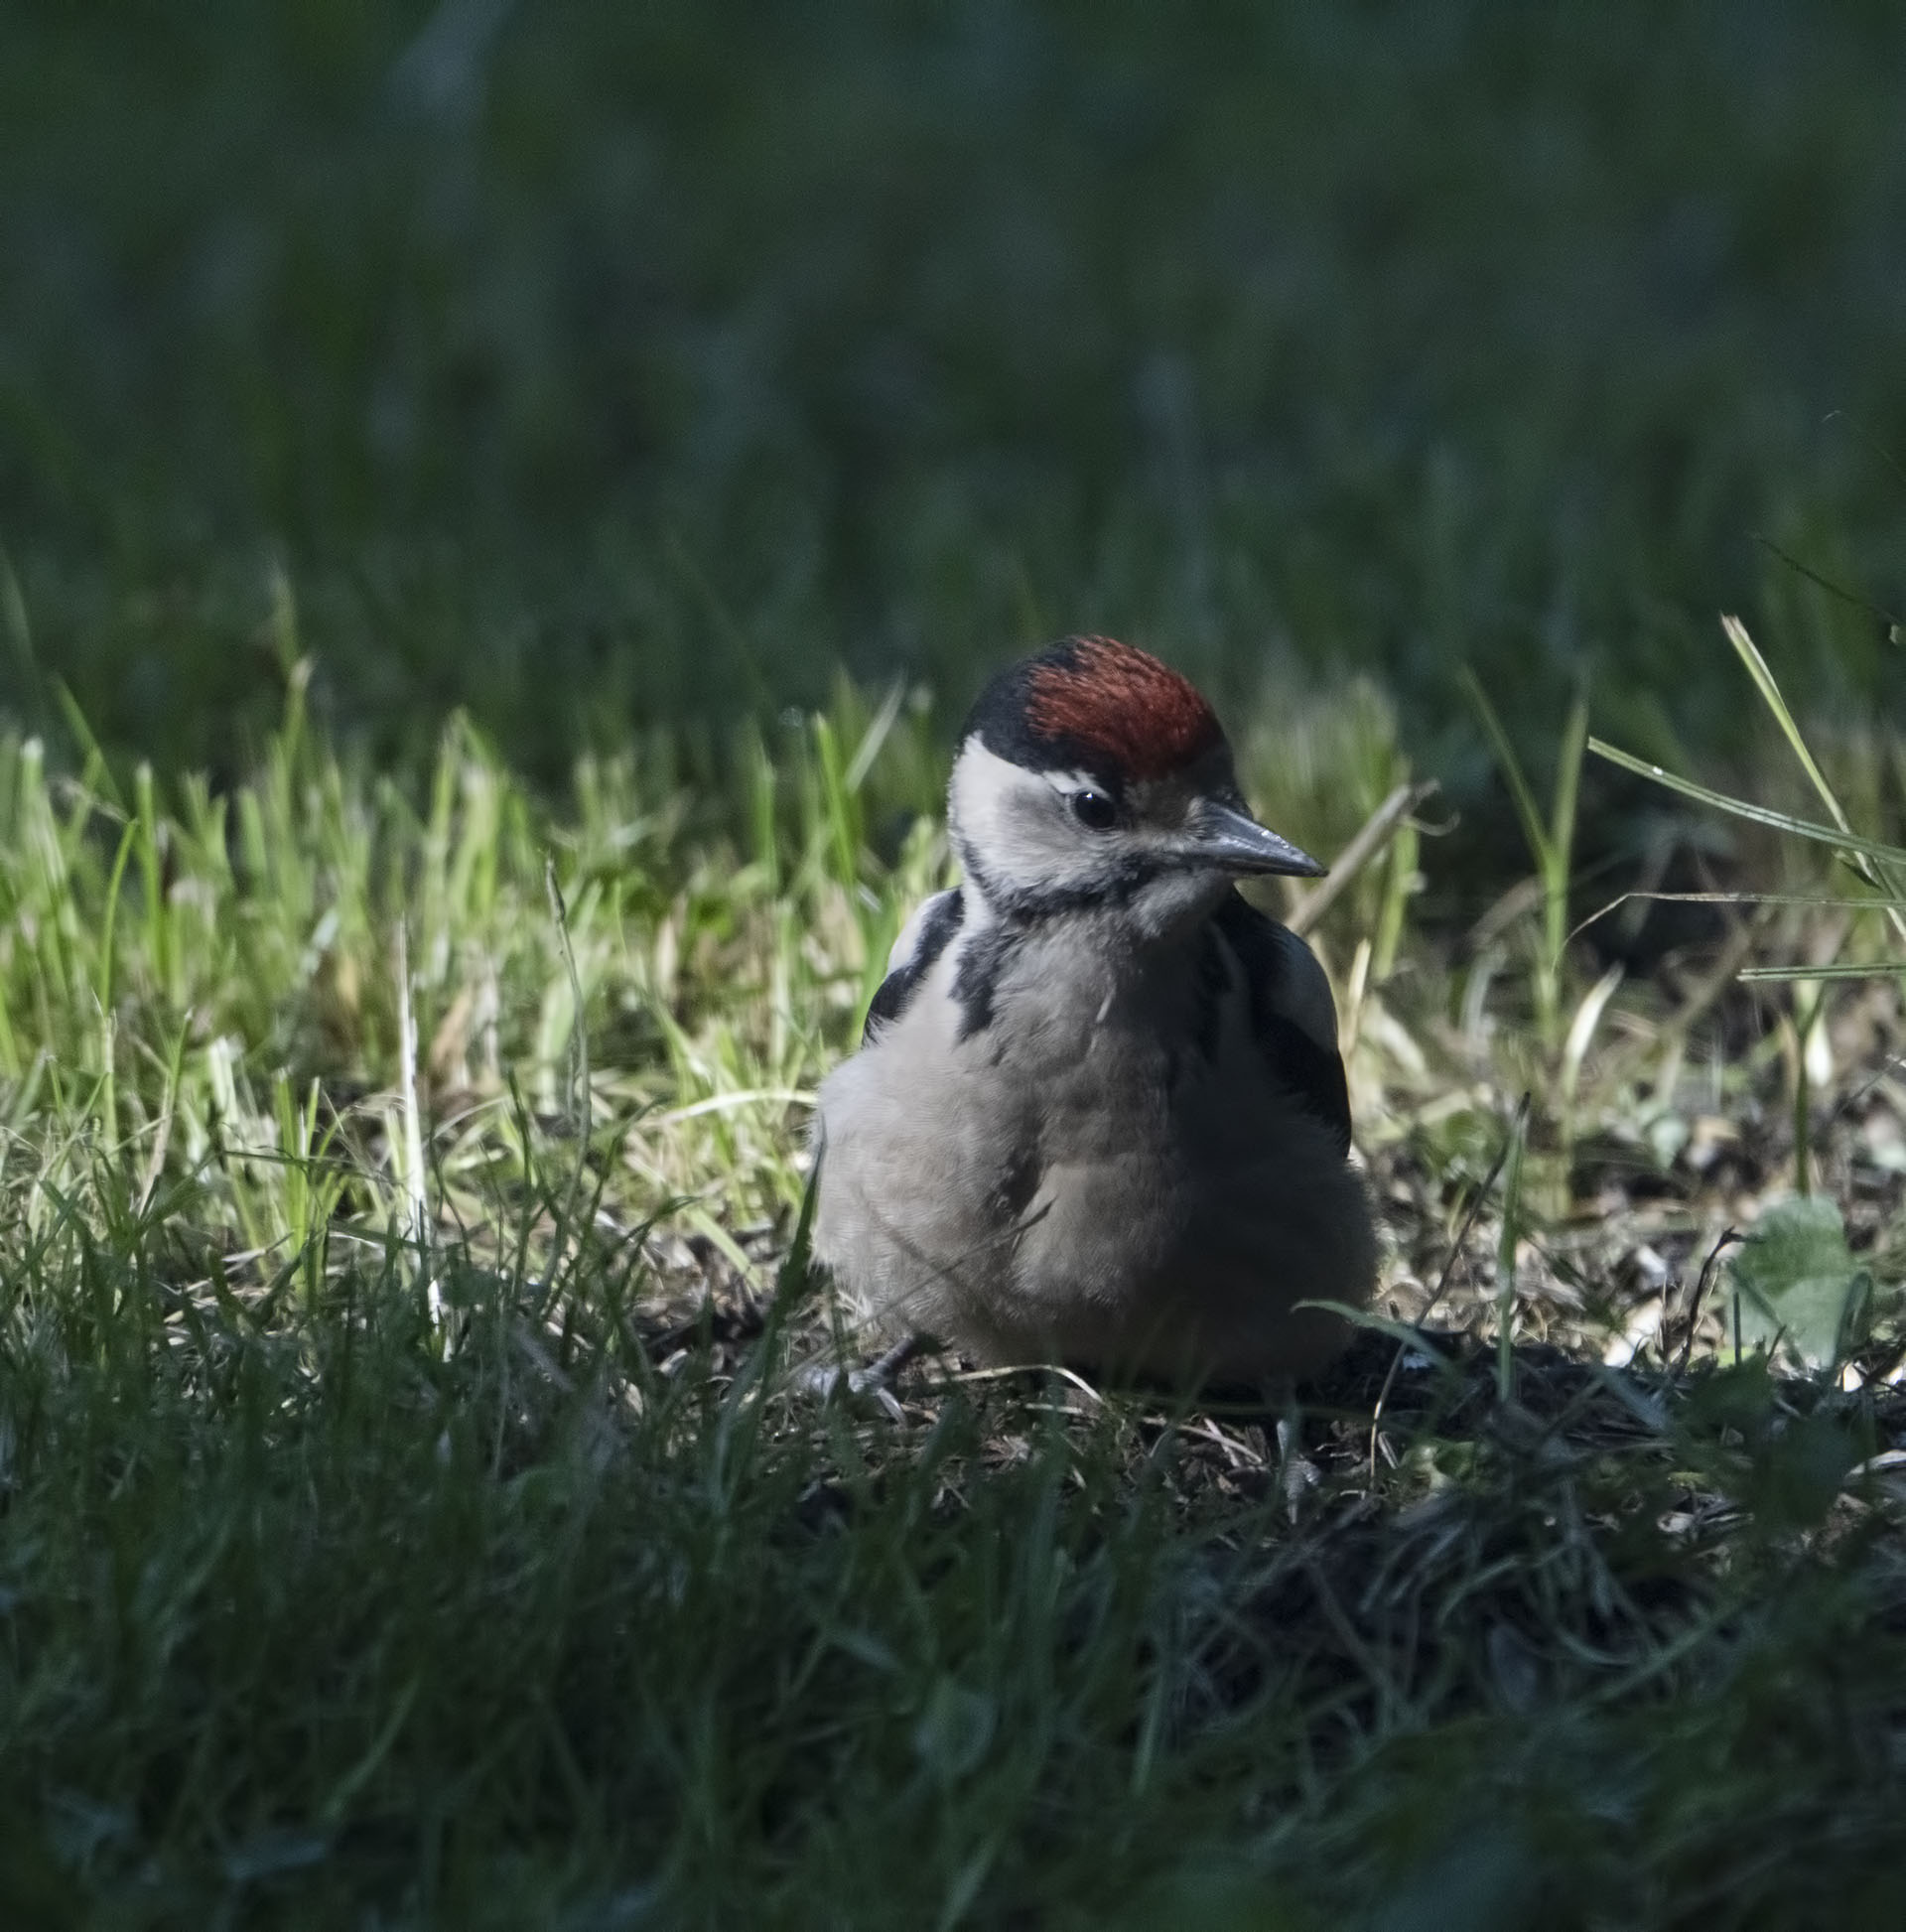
(1799, 1287)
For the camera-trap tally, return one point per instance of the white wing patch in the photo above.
(906, 947)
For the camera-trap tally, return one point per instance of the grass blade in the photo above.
(1506, 1262)
(1841, 970)
(1763, 677)
(1799, 828)
(1532, 829)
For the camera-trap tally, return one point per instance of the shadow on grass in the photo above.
(556, 1615)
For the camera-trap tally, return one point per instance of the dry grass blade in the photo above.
(414, 1191)
(1365, 846)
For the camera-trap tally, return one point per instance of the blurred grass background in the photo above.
(499, 505)
(596, 368)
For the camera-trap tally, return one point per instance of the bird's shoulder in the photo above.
(923, 940)
(1293, 1016)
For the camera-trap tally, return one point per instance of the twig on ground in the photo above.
(1357, 854)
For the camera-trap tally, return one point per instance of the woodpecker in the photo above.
(1098, 1116)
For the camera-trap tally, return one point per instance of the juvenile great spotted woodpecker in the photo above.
(1098, 1117)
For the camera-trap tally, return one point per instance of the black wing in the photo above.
(939, 920)
(1274, 962)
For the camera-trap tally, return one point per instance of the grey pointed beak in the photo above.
(1233, 841)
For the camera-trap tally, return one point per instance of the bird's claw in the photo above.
(834, 1381)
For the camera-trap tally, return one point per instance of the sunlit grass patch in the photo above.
(409, 1506)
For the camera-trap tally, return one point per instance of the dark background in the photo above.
(594, 367)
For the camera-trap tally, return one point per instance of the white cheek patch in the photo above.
(1012, 816)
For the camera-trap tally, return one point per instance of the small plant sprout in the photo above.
(1550, 843)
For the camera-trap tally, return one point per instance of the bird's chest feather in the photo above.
(1117, 1059)
(1061, 1086)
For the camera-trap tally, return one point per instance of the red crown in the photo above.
(1142, 716)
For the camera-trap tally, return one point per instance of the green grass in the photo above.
(631, 362)
(500, 510)
(310, 1616)
(485, 1567)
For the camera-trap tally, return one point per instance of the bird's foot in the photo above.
(1300, 1474)
(835, 1381)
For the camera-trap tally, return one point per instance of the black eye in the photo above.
(1094, 810)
